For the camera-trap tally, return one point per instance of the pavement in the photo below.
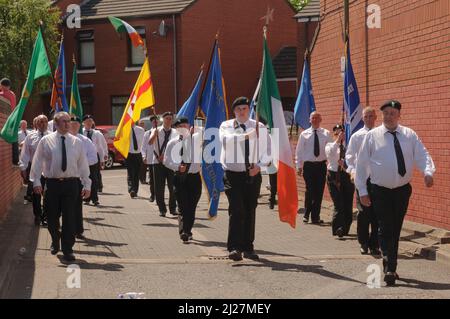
(129, 248)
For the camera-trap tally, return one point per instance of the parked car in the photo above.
(114, 156)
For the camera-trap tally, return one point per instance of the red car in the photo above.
(114, 156)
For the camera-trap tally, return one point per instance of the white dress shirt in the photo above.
(29, 148)
(22, 135)
(48, 159)
(232, 155)
(377, 159)
(51, 126)
(192, 153)
(161, 134)
(305, 146)
(147, 149)
(354, 145)
(333, 153)
(100, 143)
(139, 131)
(89, 149)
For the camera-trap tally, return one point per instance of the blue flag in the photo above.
(189, 108)
(254, 101)
(305, 104)
(214, 106)
(352, 105)
(58, 100)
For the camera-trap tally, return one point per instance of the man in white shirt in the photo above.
(144, 167)
(92, 158)
(311, 162)
(242, 176)
(387, 156)
(366, 215)
(134, 159)
(339, 184)
(100, 143)
(30, 145)
(183, 156)
(148, 156)
(159, 139)
(23, 133)
(61, 158)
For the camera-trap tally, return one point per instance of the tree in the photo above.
(19, 23)
(299, 4)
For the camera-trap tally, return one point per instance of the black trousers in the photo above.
(163, 175)
(134, 162)
(342, 197)
(314, 174)
(367, 228)
(143, 173)
(273, 186)
(79, 229)
(100, 180)
(15, 153)
(38, 209)
(390, 206)
(242, 200)
(188, 190)
(94, 171)
(61, 201)
(151, 174)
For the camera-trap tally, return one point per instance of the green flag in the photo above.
(76, 108)
(39, 66)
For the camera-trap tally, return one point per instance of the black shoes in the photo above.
(305, 220)
(80, 236)
(174, 213)
(375, 252)
(162, 214)
(69, 257)
(340, 232)
(152, 199)
(389, 278)
(235, 255)
(132, 194)
(317, 222)
(251, 255)
(272, 203)
(185, 238)
(364, 250)
(54, 248)
(96, 203)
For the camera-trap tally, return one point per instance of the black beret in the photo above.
(87, 116)
(338, 127)
(5, 82)
(240, 101)
(391, 103)
(168, 113)
(181, 120)
(75, 118)
(153, 117)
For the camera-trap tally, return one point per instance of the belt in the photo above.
(318, 162)
(63, 179)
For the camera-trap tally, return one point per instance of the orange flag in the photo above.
(141, 98)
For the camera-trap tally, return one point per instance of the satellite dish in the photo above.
(162, 30)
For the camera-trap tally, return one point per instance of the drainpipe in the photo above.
(175, 58)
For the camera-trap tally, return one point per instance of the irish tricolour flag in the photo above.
(122, 26)
(269, 107)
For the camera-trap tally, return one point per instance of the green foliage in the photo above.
(19, 24)
(299, 4)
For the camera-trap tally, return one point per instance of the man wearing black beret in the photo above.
(388, 155)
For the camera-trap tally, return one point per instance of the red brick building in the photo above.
(408, 59)
(179, 35)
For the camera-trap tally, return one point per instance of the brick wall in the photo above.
(407, 59)
(11, 180)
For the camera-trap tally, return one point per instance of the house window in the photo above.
(86, 52)
(118, 104)
(136, 55)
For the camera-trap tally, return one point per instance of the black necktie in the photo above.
(182, 149)
(135, 143)
(246, 149)
(316, 144)
(64, 154)
(25, 132)
(166, 139)
(89, 135)
(399, 155)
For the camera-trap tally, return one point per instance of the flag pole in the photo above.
(41, 23)
(216, 41)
